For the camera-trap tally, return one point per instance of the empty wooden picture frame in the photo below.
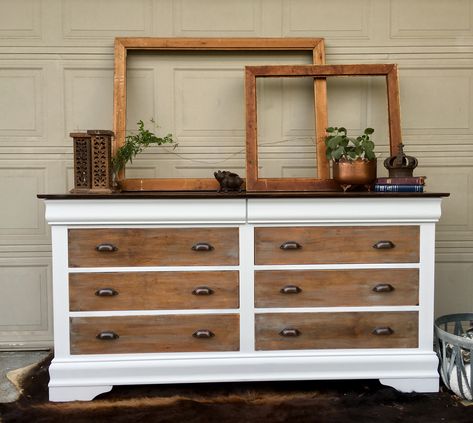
(123, 45)
(253, 182)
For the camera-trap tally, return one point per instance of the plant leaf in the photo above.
(369, 131)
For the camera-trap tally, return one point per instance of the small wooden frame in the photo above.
(253, 182)
(123, 45)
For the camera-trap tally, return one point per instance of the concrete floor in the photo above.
(11, 360)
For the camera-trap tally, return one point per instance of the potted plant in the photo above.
(354, 161)
(135, 143)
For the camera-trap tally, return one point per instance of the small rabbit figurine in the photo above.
(228, 181)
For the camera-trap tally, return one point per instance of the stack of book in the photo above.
(401, 184)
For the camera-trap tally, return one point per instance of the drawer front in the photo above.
(153, 290)
(337, 244)
(294, 331)
(153, 247)
(147, 334)
(332, 288)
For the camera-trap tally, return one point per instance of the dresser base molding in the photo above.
(406, 372)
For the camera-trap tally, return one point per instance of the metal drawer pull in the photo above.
(290, 289)
(290, 245)
(107, 336)
(202, 290)
(290, 332)
(106, 292)
(383, 287)
(202, 246)
(382, 331)
(384, 245)
(203, 334)
(106, 248)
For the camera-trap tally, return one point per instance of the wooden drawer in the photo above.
(153, 290)
(153, 247)
(331, 288)
(336, 244)
(294, 331)
(147, 334)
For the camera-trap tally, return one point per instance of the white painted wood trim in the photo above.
(127, 371)
(427, 285)
(128, 212)
(247, 318)
(339, 210)
(60, 291)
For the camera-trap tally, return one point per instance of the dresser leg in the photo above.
(413, 385)
(76, 393)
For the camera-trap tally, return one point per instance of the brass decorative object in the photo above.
(354, 172)
(400, 165)
(92, 161)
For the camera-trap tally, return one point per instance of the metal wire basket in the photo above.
(454, 344)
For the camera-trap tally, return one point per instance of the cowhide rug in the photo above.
(295, 402)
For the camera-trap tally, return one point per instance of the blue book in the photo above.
(398, 188)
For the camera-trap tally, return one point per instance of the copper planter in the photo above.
(354, 172)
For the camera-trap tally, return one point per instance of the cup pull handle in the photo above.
(290, 289)
(383, 287)
(107, 336)
(384, 245)
(290, 332)
(202, 290)
(106, 248)
(203, 334)
(202, 246)
(290, 245)
(106, 292)
(382, 331)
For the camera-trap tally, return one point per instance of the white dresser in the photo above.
(203, 287)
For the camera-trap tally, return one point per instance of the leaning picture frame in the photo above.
(124, 45)
(253, 181)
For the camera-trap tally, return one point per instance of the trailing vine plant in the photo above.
(135, 143)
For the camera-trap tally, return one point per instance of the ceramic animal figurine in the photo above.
(228, 181)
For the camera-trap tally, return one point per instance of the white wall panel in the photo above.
(20, 20)
(220, 93)
(83, 19)
(431, 19)
(140, 96)
(22, 115)
(452, 294)
(88, 99)
(23, 214)
(25, 323)
(216, 17)
(334, 19)
(437, 101)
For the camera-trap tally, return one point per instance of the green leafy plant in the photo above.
(135, 144)
(341, 147)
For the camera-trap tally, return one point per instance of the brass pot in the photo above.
(354, 172)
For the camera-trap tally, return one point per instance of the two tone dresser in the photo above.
(207, 287)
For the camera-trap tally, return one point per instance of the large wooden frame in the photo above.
(123, 45)
(253, 182)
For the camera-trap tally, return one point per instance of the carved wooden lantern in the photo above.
(92, 161)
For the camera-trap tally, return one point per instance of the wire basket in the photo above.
(454, 344)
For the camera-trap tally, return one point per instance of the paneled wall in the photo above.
(56, 76)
